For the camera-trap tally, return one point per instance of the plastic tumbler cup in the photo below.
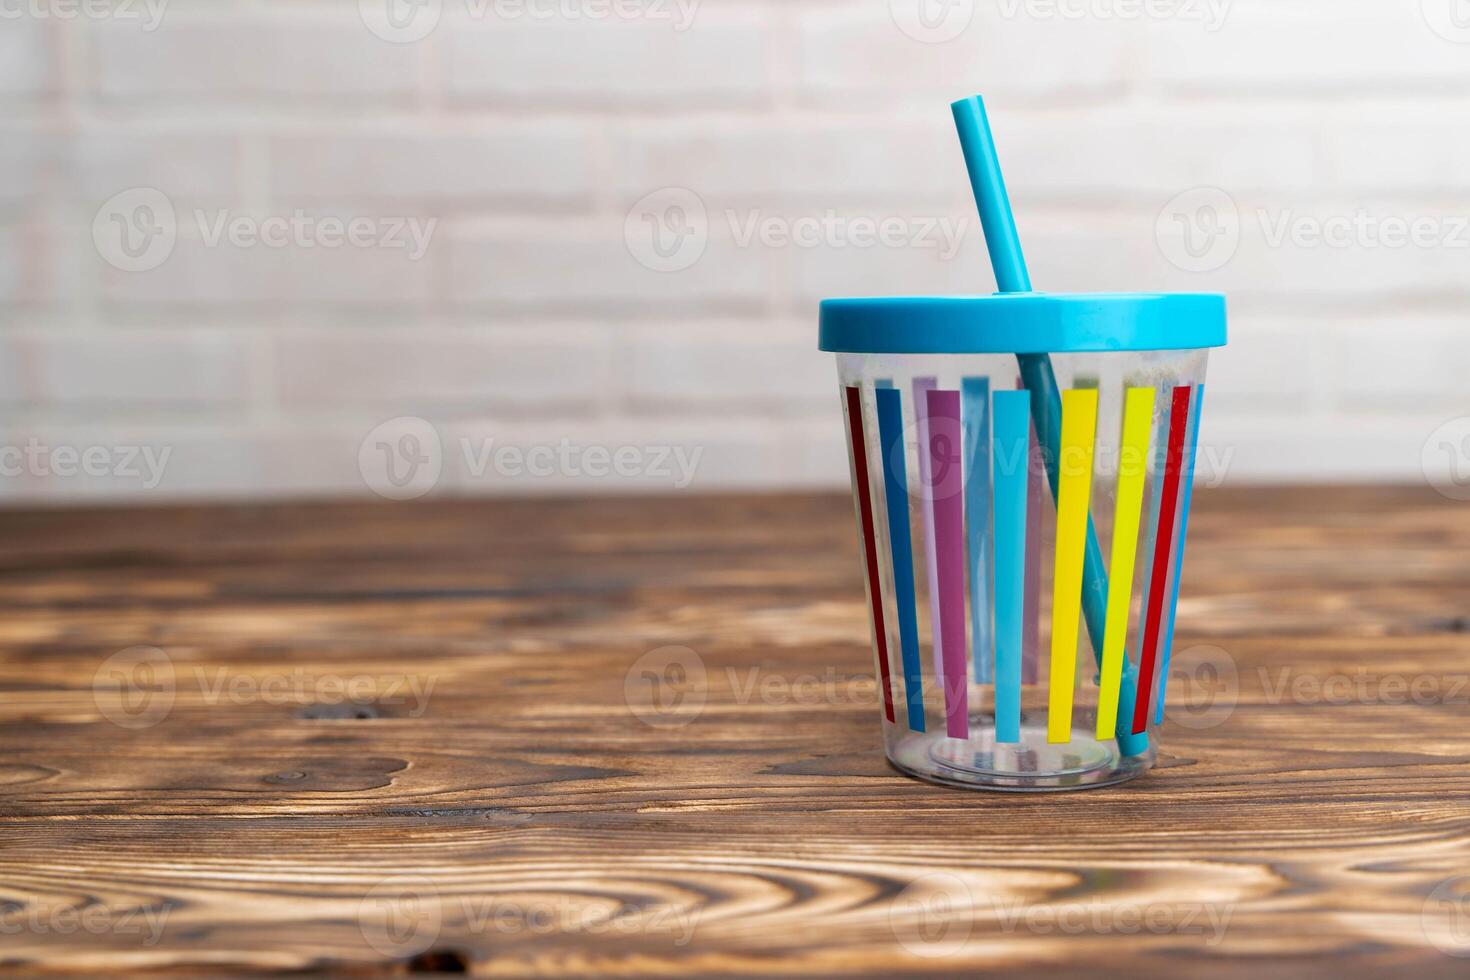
(1022, 542)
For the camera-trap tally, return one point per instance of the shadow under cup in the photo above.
(1022, 469)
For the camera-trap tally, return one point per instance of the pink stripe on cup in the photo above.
(945, 449)
(922, 386)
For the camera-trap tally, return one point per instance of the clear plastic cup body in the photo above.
(1022, 554)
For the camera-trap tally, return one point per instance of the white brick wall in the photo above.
(25, 61)
(586, 65)
(539, 321)
(208, 60)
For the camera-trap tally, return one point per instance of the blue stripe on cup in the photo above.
(975, 393)
(896, 496)
(1011, 458)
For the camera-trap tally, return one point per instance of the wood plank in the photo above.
(395, 738)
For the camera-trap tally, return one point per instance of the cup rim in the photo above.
(1023, 323)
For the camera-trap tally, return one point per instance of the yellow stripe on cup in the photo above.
(1074, 487)
(1138, 415)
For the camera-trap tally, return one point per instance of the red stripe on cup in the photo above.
(870, 540)
(1163, 547)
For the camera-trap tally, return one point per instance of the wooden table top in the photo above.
(395, 738)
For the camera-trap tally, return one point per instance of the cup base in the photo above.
(1034, 764)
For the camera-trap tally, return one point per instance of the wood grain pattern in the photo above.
(484, 798)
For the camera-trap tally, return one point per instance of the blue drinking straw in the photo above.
(1006, 257)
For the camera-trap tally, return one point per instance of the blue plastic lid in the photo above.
(1023, 323)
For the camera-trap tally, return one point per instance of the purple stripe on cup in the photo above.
(947, 473)
(922, 386)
